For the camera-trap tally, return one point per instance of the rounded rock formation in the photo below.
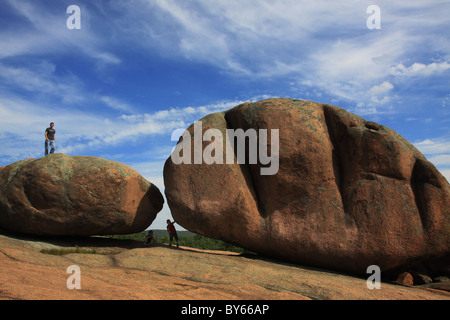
(348, 193)
(75, 195)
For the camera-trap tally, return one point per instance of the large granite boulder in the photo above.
(75, 195)
(348, 193)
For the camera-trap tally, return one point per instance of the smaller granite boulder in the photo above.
(75, 195)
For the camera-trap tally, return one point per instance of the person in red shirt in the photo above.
(172, 232)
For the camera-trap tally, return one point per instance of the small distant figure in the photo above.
(50, 139)
(172, 232)
(148, 238)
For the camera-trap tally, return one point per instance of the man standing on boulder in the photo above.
(172, 232)
(50, 139)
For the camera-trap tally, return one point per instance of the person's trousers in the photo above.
(173, 235)
(49, 145)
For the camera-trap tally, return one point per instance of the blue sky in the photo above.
(139, 69)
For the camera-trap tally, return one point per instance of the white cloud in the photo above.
(437, 151)
(420, 69)
(440, 160)
(434, 146)
(106, 58)
(46, 32)
(40, 78)
(251, 38)
(116, 104)
(323, 43)
(378, 93)
(381, 89)
(446, 174)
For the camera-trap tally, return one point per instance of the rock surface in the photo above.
(122, 270)
(348, 194)
(405, 279)
(79, 195)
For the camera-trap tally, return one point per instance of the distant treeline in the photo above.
(186, 239)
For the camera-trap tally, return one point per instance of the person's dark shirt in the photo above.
(50, 133)
(171, 228)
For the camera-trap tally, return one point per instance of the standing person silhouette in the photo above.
(172, 232)
(50, 139)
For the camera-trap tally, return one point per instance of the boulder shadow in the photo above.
(72, 241)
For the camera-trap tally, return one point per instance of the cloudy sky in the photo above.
(139, 69)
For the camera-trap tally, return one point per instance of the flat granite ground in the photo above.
(123, 269)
